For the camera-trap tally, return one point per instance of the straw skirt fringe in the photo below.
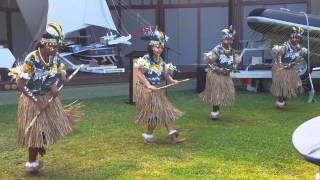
(153, 107)
(219, 90)
(285, 82)
(50, 126)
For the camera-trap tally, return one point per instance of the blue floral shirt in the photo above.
(225, 58)
(40, 75)
(290, 52)
(155, 70)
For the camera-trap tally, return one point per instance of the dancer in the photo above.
(37, 78)
(219, 90)
(285, 81)
(153, 107)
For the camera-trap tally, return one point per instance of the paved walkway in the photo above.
(92, 91)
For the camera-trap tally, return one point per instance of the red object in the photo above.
(245, 81)
(136, 33)
(141, 31)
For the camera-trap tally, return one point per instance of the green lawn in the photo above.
(252, 141)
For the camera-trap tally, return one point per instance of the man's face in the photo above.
(294, 39)
(157, 49)
(51, 48)
(228, 41)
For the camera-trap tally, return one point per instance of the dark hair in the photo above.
(150, 52)
(46, 36)
(39, 45)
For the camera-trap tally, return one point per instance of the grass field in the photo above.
(252, 141)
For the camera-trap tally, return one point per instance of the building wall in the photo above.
(192, 29)
(3, 29)
(184, 25)
(193, 25)
(134, 21)
(180, 20)
(181, 26)
(315, 7)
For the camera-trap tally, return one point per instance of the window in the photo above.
(132, 2)
(191, 1)
(3, 29)
(8, 4)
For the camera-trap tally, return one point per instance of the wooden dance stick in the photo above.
(172, 84)
(50, 100)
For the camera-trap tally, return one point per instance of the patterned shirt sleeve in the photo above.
(286, 48)
(59, 67)
(214, 54)
(169, 68)
(25, 70)
(28, 65)
(143, 63)
(215, 50)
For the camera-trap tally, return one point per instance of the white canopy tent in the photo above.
(73, 15)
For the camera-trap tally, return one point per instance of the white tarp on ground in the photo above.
(6, 58)
(73, 15)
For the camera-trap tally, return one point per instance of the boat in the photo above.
(74, 16)
(276, 25)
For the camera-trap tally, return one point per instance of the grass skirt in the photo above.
(219, 90)
(153, 107)
(285, 82)
(50, 126)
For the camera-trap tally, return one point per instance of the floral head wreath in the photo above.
(54, 34)
(228, 32)
(297, 30)
(155, 37)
